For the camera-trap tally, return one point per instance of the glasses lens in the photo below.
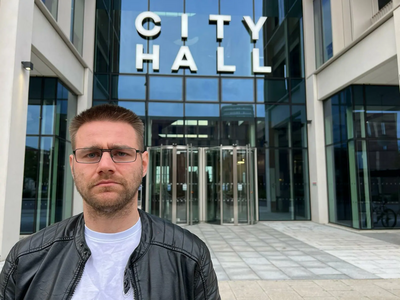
(123, 155)
(88, 155)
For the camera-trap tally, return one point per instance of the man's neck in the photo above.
(114, 223)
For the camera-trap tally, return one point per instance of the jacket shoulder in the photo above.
(172, 236)
(61, 231)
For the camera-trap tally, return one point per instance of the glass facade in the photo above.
(48, 186)
(227, 100)
(322, 31)
(77, 19)
(52, 6)
(362, 139)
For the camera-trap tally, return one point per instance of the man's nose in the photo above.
(106, 164)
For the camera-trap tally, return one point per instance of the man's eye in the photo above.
(121, 154)
(92, 155)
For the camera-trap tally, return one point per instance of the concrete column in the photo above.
(16, 17)
(315, 113)
(396, 19)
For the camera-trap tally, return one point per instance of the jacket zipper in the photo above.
(78, 278)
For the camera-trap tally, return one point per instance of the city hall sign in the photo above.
(184, 58)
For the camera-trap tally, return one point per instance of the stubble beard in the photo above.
(120, 204)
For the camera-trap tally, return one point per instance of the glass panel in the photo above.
(201, 89)
(77, 16)
(323, 31)
(101, 87)
(277, 188)
(166, 184)
(301, 185)
(299, 126)
(62, 111)
(295, 40)
(384, 165)
(298, 91)
(138, 108)
(33, 118)
(126, 38)
(363, 184)
(202, 35)
(273, 130)
(272, 91)
(29, 193)
(50, 88)
(165, 125)
(182, 186)
(227, 186)
(243, 185)
(165, 88)
(202, 124)
(102, 38)
(383, 111)
(129, 87)
(48, 116)
(213, 179)
(238, 90)
(52, 6)
(35, 87)
(154, 178)
(339, 193)
(44, 193)
(170, 39)
(194, 184)
(238, 124)
(359, 111)
(236, 42)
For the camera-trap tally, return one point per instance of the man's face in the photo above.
(108, 187)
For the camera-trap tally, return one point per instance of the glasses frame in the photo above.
(107, 150)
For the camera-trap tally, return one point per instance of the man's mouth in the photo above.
(106, 183)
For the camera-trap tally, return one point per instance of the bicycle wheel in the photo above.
(389, 218)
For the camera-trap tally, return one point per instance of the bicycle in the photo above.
(387, 216)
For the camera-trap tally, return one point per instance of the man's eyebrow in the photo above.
(114, 146)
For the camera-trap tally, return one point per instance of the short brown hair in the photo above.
(107, 112)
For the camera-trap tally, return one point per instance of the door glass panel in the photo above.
(242, 185)
(166, 184)
(213, 179)
(181, 186)
(194, 185)
(227, 186)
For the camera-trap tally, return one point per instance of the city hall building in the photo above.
(254, 110)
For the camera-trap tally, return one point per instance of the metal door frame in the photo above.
(251, 186)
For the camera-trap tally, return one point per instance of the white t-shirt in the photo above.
(103, 276)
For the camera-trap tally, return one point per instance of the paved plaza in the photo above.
(302, 260)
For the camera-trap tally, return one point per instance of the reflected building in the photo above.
(281, 110)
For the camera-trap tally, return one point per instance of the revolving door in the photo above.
(186, 184)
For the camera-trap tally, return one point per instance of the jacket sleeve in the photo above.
(7, 283)
(207, 283)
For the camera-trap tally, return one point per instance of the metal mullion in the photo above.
(235, 187)
(174, 206)
(220, 189)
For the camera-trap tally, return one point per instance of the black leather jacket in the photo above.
(170, 263)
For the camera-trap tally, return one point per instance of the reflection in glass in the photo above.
(202, 36)
(237, 90)
(48, 116)
(275, 130)
(129, 87)
(169, 39)
(299, 126)
(237, 125)
(126, 37)
(101, 87)
(201, 89)
(77, 20)
(272, 91)
(323, 31)
(52, 6)
(202, 124)
(237, 41)
(33, 119)
(298, 91)
(165, 88)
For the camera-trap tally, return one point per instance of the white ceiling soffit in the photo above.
(385, 74)
(40, 68)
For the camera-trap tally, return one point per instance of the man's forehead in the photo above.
(106, 132)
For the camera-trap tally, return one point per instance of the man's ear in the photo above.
(71, 165)
(145, 162)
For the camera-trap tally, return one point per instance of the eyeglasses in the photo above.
(94, 155)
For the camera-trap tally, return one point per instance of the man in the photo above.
(112, 250)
